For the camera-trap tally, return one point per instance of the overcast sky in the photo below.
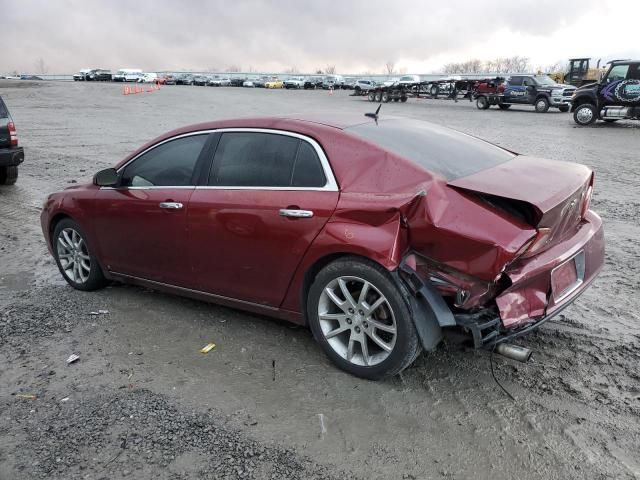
(275, 35)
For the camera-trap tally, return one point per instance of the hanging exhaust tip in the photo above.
(514, 352)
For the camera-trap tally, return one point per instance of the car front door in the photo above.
(530, 90)
(267, 196)
(141, 224)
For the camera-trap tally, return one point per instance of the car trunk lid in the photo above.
(544, 193)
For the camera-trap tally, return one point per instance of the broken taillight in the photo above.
(538, 243)
(13, 135)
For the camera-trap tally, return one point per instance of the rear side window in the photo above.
(170, 164)
(439, 150)
(307, 170)
(255, 159)
(515, 81)
(4, 113)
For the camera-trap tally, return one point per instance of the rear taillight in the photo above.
(13, 135)
(586, 201)
(538, 243)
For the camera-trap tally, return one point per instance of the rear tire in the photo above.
(385, 97)
(482, 103)
(359, 337)
(372, 96)
(8, 175)
(403, 99)
(542, 105)
(74, 257)
(378, 98)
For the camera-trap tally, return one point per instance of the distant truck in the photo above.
(615, 97)
(11, 155)
(540, 91)
(127, 75)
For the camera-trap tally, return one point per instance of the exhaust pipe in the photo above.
(514, 352)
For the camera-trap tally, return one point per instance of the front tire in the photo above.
(360, 319)
(585, 114)
(564, 108)
(75, 260)
(8, 175)
(542, 105)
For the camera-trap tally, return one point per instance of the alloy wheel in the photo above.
(357, 321)
(73, 255)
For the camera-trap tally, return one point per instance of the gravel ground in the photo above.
(141, 402)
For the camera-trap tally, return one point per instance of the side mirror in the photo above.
(106, 178)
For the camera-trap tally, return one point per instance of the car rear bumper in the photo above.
(10, 157)
(531, 300)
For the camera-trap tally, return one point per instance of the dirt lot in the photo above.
(143, 403)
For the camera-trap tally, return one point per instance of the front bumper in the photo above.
(558, 101)
(10, 157)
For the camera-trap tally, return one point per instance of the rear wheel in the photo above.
(403, 99)
(482, 103)
(542, 105)
(378, 97)
(372, 96)
(75, 260)
(585, 114)
(360, 319)
(8, 175)
(385, 97)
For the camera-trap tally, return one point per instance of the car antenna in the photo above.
(374, 115)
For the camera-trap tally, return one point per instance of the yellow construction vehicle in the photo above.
(579, 73)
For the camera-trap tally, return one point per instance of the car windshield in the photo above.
(439, 150)
(545, 80)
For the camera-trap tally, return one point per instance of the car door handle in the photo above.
(287, 212)
(171, 205)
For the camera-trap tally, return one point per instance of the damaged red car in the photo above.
(376, 233)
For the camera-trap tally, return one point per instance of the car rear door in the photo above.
(515, 91)
(267, 196)
(141, 225)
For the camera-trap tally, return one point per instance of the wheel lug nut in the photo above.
(349, 321)
(365, 325)
(351, 310)
(360, 312)
(357, 329)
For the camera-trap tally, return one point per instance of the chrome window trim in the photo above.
(330, 186)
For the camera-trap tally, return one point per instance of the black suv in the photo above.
(615, 97)
(11, 155)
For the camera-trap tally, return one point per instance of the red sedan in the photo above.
(375, 234)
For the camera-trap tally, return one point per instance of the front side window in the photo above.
(170, 164)
(256, 159)
(619, 72)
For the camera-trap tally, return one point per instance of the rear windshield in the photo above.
(4, 113)
(439, 150)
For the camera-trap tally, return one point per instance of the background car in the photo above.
(304, 223)
(184, 79)
(332, 81)
(11, 155)
(81, 76)
(362, 86)
(250, 82)
(201, 80)
(237, 81)
(294, 82)
(148, 78)
(312, 83)
(167, 80)
(100, 75)
(219, 82)
(274, 83)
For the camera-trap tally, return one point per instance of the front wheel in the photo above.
(542, 105)
(8, 175)
(585, 114)
(360, 319)
(563, 108)
(75, 260)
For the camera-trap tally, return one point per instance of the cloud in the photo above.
(353, 35)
